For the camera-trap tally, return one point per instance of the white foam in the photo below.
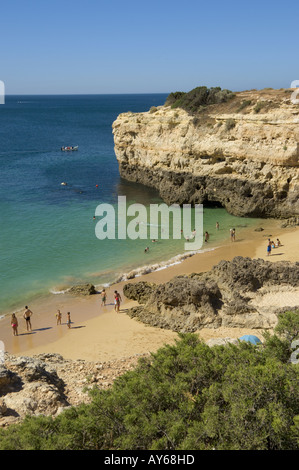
(159, 266)
(137, 272)
(108, 284)
(57, 292)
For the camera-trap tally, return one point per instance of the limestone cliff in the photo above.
(242, 154)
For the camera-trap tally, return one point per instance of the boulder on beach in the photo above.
(139, 291)
(83, 289)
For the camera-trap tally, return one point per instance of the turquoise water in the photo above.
(48, 240)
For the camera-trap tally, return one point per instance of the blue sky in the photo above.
(94, 46)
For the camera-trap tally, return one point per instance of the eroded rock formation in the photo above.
(231, 295)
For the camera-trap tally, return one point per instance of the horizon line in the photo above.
(89, 94)
(131, 93)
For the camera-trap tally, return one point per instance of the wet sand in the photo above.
(100, 334)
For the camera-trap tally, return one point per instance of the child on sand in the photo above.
(269, 247)
(117, 301)
(104, 296)
(58, 317)
(14, 324)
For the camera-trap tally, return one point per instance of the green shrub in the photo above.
(187, 396)
(244, 104)
(199, 97)
(260, 105)
(230, 124)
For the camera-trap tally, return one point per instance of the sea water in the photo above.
(48, 240)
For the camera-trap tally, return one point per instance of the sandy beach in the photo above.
(100, 334)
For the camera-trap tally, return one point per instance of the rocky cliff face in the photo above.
(243, 154)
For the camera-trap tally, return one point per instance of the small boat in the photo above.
(69, 149)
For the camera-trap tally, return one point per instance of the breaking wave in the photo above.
(158, 266)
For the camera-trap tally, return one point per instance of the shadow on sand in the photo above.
(43, 329)
(27, 333)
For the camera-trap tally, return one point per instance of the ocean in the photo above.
(48, 239)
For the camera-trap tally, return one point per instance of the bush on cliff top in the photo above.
(195, 99)
(186, 396)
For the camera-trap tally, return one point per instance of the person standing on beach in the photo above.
(207, 236)
(269, 248)
(104, 297)
(217, 225)
(14, 324)
(117, 301)
(58, 317)
(68, 322)
(27, 315)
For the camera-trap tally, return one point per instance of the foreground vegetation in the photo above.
(185, 397)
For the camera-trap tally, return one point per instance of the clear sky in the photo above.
(99, 46)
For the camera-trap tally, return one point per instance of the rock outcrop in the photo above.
(47, 384)
(243, 154)
(230, 295)
(82, 289)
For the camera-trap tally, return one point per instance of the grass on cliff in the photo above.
(187, 396)
(201, 100)
(199, 97)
